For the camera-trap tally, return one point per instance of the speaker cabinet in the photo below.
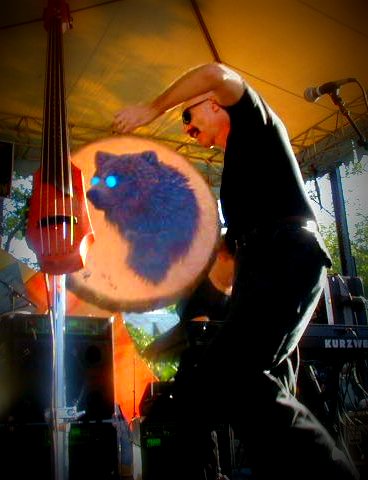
(26, 377)
(26, 383)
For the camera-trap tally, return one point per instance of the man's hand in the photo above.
(130, 118)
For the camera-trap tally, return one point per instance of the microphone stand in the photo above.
(337, 100)
(17, 294)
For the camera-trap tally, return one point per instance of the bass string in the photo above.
(61, 141)
(45, 156)
(55, 158)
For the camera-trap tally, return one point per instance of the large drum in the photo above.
(155, 221)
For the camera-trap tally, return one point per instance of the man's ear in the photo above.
(215, 106)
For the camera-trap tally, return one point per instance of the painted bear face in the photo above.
(152, 205)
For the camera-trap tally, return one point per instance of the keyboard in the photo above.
(337, 340)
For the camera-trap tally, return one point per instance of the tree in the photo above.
(164, 370)
(359, 248)
(14, 215)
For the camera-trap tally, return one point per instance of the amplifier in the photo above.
(343, 342)
(26, 367)
(26, 382)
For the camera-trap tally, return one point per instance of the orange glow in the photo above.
(132, 374)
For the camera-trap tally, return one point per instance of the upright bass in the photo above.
(59, 229)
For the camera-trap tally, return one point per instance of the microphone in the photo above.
(312, 94)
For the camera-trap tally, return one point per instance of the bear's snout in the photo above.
(94, 197)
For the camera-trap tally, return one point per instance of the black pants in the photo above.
(278, 282)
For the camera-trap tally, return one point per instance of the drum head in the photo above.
(155, 222)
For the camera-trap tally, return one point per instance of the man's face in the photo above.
(201, 121)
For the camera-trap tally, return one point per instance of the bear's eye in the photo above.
(95, 180)
(111, 181)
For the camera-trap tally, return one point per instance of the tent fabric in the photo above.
(119, 52)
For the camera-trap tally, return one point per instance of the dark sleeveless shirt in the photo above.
(261, 180)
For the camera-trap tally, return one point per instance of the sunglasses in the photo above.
(186, 116)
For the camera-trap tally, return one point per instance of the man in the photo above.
(280, 269)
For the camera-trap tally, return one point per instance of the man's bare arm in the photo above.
(220, 82)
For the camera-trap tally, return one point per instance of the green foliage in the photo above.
(359, 248)
(14, 216)
(164, 371)
(140, 337)
(171, 308)
(355, 168)
(16, 208)
(329, 235)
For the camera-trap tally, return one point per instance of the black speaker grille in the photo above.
(26, 377)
